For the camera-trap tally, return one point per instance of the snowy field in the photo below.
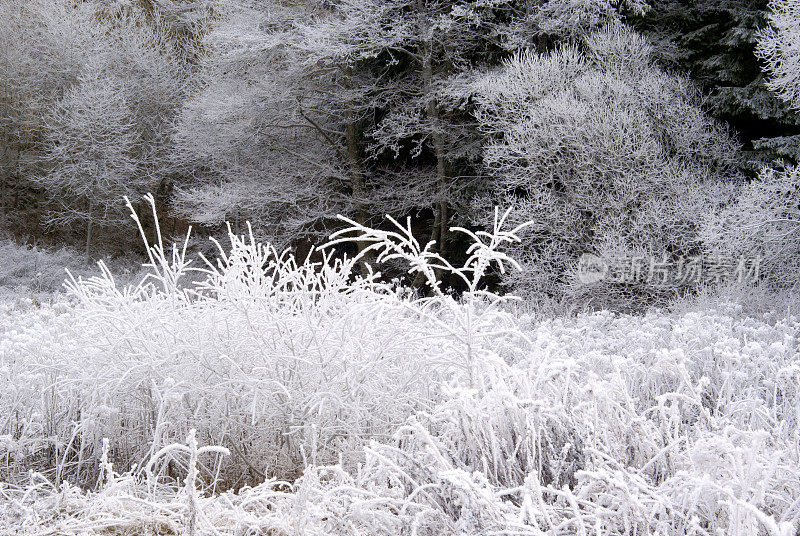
(286, 398)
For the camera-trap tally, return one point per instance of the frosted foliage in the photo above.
(93, 139)
(244, 148)
(250, 168)
(89, 99)
(42, 47)
(572, 18)
(605, 152)
(332, 404)
(764, 223)
(779, 49)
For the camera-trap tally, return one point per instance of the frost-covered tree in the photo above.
(605, 152)
(257, 141)
(764, 224)
(779, 49)
(62, 63)
(440, 46)
(92, 141)
(107, 135)
(42, 47)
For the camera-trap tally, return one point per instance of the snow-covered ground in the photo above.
(345, 406)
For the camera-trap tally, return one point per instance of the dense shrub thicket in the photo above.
(762, 221)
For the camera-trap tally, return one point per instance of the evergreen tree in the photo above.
(714, 41)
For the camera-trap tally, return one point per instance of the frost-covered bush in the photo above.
(297, 370)
(34, 269)
(288, 363)
(763, 223)
(607, 154)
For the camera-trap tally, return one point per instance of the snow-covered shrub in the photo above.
(600, 424)
(33, 268)
(762, 223)
(607, 154)
(288, 363)
(759, 301)
(33, 272)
